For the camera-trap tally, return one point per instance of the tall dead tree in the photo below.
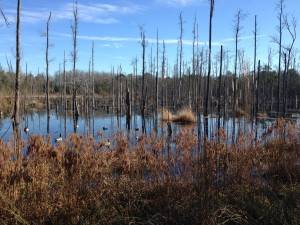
(279, 42)
(74, 56)
(284, 84)
(291, 28)
(65, 95)
(180, 55)
(47, 73)
(143, 103)
(272, 86)
(156, 77)
(163, 72)
(257, 90)
(194, 60)
(220, 86)
(16, 116)
(254, 65)
(212, 3)
(93, 77)
(237, 30)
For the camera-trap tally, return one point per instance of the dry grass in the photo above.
(36, 105)
(241, 113)
(80, 181)
(262, 115)
(166, 116)
(6, 106)
(184, 116)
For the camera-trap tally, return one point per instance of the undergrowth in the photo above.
(157, 181)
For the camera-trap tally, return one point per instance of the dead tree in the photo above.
(254, 64)
(284, 84)
(4, 17)
(156, 78)
(257, 90)
(16, 118)
(113, 88)
(163, 72)
(291, 28)
(93, 77)
(128, 114)
(220, 87)
(143, 103)
(237, 30)
(212, 2)
(65, 95)
(47, 73)
(180, 55)
(74, 56)
(272, 86)
(279, 42)
(194, 60)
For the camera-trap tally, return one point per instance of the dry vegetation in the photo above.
(80, 181)
(184, 115)
(6, 106)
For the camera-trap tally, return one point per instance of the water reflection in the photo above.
(62, 124)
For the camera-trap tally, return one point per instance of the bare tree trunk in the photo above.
(74, 54)
(280, 30)
(16, 118)
(128, 115)
(65, 96)
(143, 105)
(254, 66)
(163, 71)
(25, 94)
(180, 56)
(193, 62)
(212, 2)
(47, 73)
(257, 90)
(237, 33)
(284, 82)
(156, 78)
(220, 86)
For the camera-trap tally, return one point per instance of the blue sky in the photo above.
(114, 26)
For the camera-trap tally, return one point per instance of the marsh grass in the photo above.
(80, 181)
(183, 116)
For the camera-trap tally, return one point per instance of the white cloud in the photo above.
(117, 40)
(178, 2)
(91, 13)
(97, 13)
(133, 39)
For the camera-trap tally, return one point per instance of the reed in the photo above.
(166, 116)
(185, 115)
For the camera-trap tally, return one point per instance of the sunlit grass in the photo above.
(81, 181)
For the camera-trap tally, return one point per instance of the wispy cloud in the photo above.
(98, 13)
(91, 13)
(179, 3)
(168, 41)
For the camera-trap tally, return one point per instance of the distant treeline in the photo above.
(114, 85)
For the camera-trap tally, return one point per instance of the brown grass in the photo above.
(80, 181)
(241, 113)
(6, 106)
(184, 116)
(166, 116)
(262, 115)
